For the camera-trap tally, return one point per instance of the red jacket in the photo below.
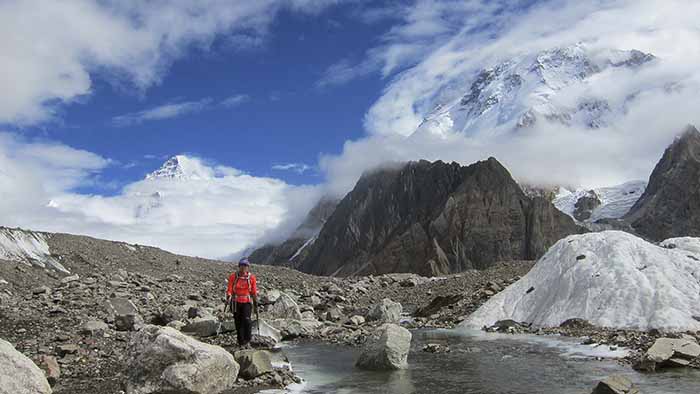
(246, 286)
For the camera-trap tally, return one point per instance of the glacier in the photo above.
(27, 247)
(615, 201)
(612, 279)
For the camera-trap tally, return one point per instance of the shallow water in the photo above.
(479, 363)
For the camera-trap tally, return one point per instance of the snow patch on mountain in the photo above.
(615, 201)
(183, 168)
(611, 279)
(27, 247)
(551, 85)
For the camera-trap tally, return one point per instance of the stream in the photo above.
(480, 363)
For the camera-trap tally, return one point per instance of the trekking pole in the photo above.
(257, 317)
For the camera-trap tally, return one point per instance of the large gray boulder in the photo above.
(260, 327)
(615, 384)
(386, 311)
(253, 363)
(673, 352)
(208, 327)
(291, 328)
(18, 374)
(124, 313)
(286, 308)
(387, 350)
(163, 360)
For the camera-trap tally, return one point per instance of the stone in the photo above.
(437, 304)
(253, 363)
(387, 350)
(357, 320)
(176, 324)
(94, 327)
(386, 311)
(69, 279)
(334, 314)
(671, 352)
(208, 327)
(18, 374)
(409, 282)
(41, 290)
(198, 311)
(49, 365)
(270, 297)
(125, 314)
(291, 329)
(163, 360)
(68, 348)
(616, 384)
(260, 327)
(436, 348)
(286, 308)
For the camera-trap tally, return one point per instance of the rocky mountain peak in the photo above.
(669, 206)
(180, 167)
(434, 218)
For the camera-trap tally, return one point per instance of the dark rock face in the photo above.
(433, 219)
(295, 248)
(670, 206)
(585, 205)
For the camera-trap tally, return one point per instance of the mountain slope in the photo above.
(432, 219)
(611, 279)
(296, 246)
(531, 88)
(600, 203)
(670, 205)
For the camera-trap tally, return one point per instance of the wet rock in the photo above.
(387, 350)
(163, 360)
(286, 308)
(253, 363)
(94, 327)
(18, 374)
(386, 311)
(49, 365)
(615, 384)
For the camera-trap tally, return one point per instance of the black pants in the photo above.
(244, 322)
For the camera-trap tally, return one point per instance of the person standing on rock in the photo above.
(242, 296)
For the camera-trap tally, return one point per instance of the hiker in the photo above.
(242, 296)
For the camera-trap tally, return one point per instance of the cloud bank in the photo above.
(659, 100)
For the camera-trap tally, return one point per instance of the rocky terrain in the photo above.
(81, 327)
(434, 219)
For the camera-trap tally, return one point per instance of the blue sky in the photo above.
(281, 115)
(98, 93)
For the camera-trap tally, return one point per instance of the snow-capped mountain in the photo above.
(590, 205)
(181, 167)
(519, 92)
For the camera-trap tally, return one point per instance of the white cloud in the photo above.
(161, 112)
(51, 51)
(212, 216)
(299, 168)
(485, 33)
(235, 100)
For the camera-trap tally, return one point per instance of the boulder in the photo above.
(286, 308)
(266, 330)
(51, 369)
(208, 327)
(615, 384)
(386, 311)
(291, 329)
(94, 327)
(70, 279)
(387, 350)
(437, 304)
(253, 363)
(357, 320)
(672, 352)
(334, 314)
(41, 290)
(163, 360)
(18, 374)
(125, 314)
(270, 296)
